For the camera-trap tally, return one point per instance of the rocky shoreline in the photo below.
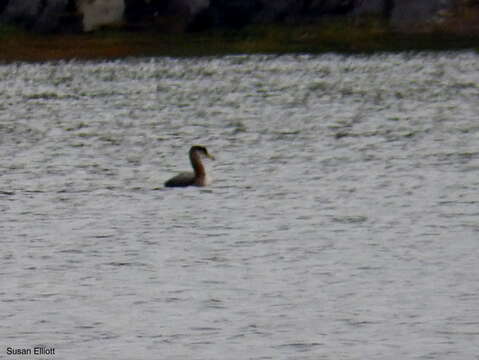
(40, 30)
(74, 16)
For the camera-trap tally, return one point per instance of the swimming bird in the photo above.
(196, 178)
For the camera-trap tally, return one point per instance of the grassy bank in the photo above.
(342, 36)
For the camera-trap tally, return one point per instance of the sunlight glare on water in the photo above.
(341, 223)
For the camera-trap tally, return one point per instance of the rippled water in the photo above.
(342, 221)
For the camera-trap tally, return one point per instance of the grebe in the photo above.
(196, 178)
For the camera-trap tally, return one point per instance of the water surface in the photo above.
(342, 221)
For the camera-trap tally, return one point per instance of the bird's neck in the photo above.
(197, 165)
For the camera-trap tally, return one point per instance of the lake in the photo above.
(342, 221)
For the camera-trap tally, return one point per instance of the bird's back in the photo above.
(181, 180)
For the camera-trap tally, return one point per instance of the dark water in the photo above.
(341, 223)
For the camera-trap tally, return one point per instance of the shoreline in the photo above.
(339, 37)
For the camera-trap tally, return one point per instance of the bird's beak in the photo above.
(210, 156)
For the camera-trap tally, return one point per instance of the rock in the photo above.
(21, 12)
(198, 5)
(139, 11)
(164, 15)
(277, 10)
(328, 7)
(305, 9)
(226, 13)
(410, 12)
(98, 13)
(48, 19)
(37, 15)
(374, 7)
(3, 5)
(237, 13)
